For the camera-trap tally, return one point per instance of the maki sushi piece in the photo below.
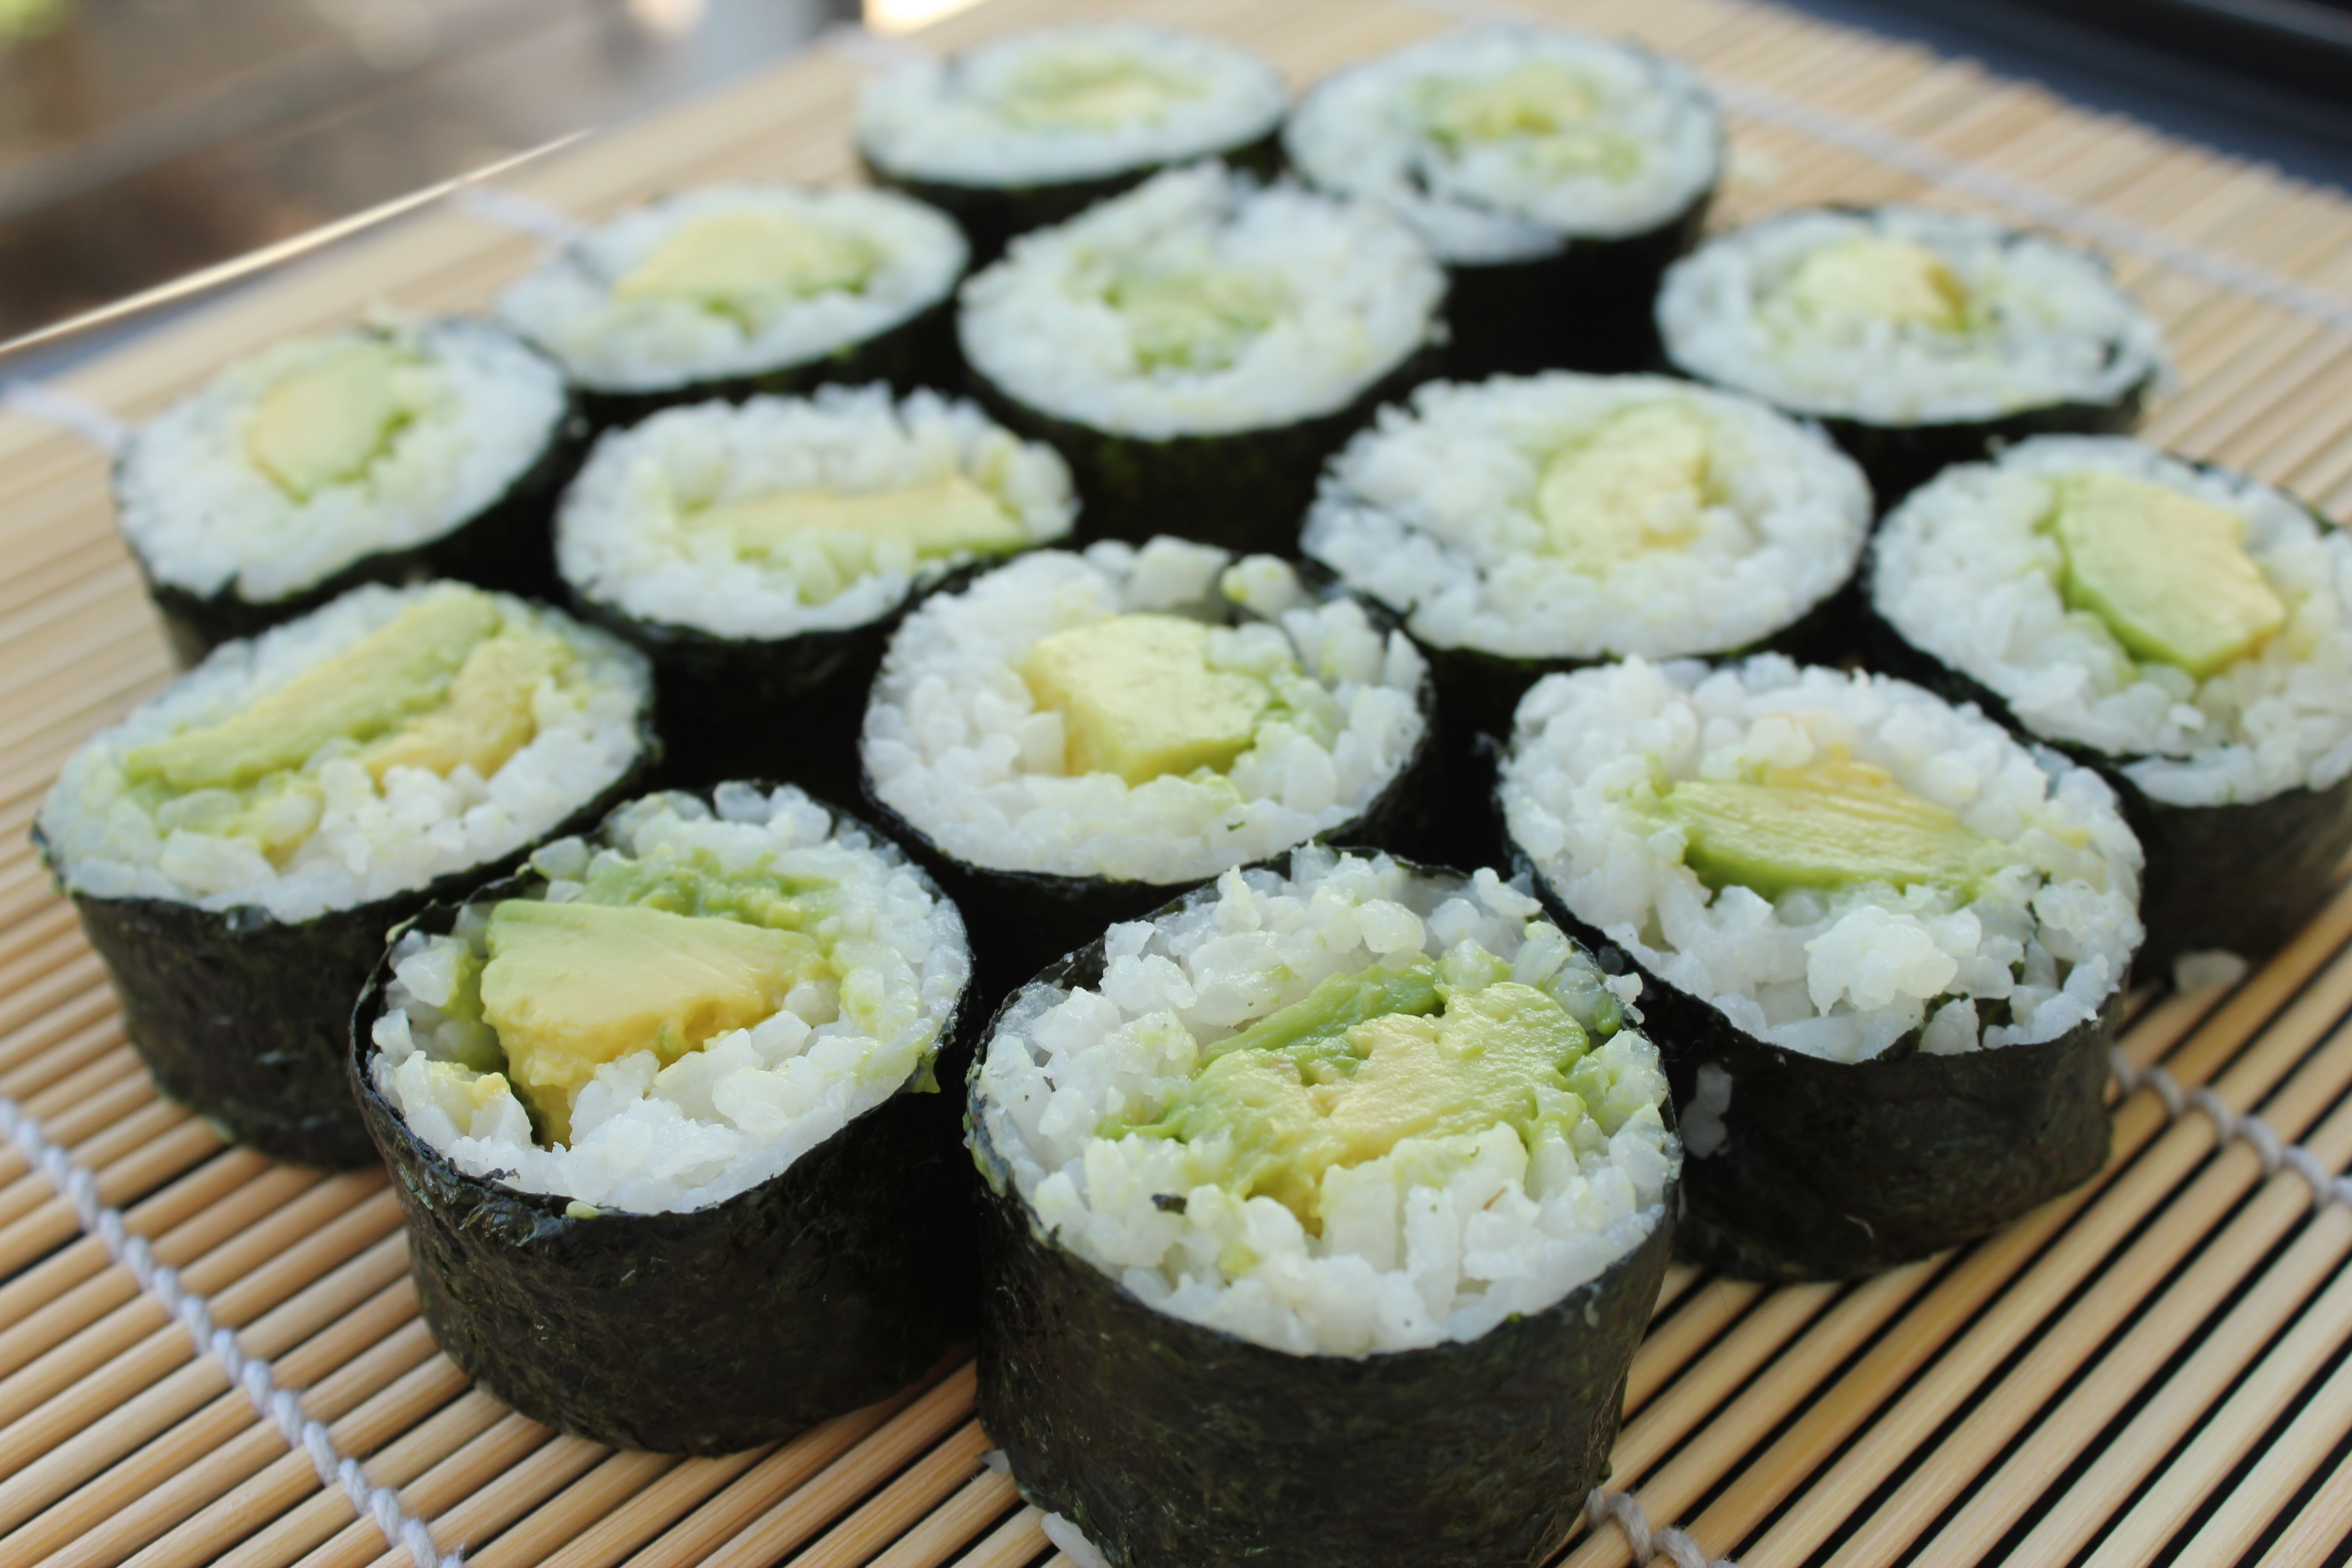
(385, 453)
(237, 847)
(1072, 739)
(1524, 526)
(1197, 347)
(2184, 630)
(1033, 128)
(1555, 174)
(1881, 947)
(1919, 338)
(663, 1116)
(1324, 1212)
(732, 289)
(761, 553)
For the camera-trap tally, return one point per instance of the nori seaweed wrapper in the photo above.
(919, 351)
(1586, 306)
(1899, 459)
(245, 1018)
(1021, 920)
(992, 215)
(1170, 1442)
(2242, 878)
(507, 545)
(824, 1288)
(1796, 1167)
(1243, 489)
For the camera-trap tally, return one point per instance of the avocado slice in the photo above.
(402, 669)
(951, 513)
(1534, 98)
(327, 422)
(1087, 88)
(1313, 1086)
(1197, 320)
(1137, 699)
(2169, 574)
(1870, 276)
(490, 713)
(572, 986)
(744, 263)
(1639, 482)
(1833, 823)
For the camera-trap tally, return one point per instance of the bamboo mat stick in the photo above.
(625, 1524)
(1013, 1544)
(52, 920)
(21, 1008)
(2317, 1532)
(172, 1151)
(507, 1446)
(489, 1507)
(2268, 1489)
(71, 1083)
(948, 1528)
(1670, 1346)
(564, 1516)
(874, 1523)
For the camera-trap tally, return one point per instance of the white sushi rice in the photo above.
(960, 121)
(2049, 325)
(619, 539)
(1844, 974)
(720, 1121)
(1399, 1263)
(1352, 294)
(1964, 570)
(1649, 146)
(609, 344)
(956, 744)
(479, 408)
(1434, 511)
(370, 840)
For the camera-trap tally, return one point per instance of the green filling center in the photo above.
(745, 265)
(1543, 108)
(1139, 698)
(1203, 320)
(328, 424)
(1830, 824)
(2168, 574)
(1636, 484)
(1090, 89)
(1868, 278)
(829, 538)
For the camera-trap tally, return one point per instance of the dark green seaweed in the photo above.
(1585, 306)
(1899, 459)
(1799, 1168)
(1168, 1443)
(919, 351)
(243, 1017)
(1021, 920)
(1247, 490)
(820, 1290)
(993, 215)
(507, 545)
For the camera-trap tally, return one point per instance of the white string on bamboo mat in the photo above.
(512, 209)
(67, 410)
(282, 1407)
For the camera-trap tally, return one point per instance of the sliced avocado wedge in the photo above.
(1637, 483)
(325, 423)
(1203, 319)
(743, 263)
(1137, 699)
(1833, 823)
(1873, 277)
(950, 514)
(2169, 574)
(1085, 88)
(572, 986)
(1535, 98)
(1338, 1003)
(489, 714)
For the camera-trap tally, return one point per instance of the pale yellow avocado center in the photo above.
(1832, 822)
(1638, 483)
(1090, 89)
(949, 514)
(1869, 277)
(1360, 1063)
(745, 263)
(570, 987)
(2169, 574)
(1138, 698)
(1201, 320)
(1535, 98)
(325, 423)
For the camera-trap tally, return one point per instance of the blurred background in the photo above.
(144, 139)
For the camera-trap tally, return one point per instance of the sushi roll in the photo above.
(732, 289)
(760, 554)
(1919, 338)
(663, 1113)
(2186, 630)
(1197, 347)
(1881, 947)
(1323, 1213)
(385, 453)
(1072, 739)
(1556, 176)
(1032, 129)
(237, 847)
(1524, 526)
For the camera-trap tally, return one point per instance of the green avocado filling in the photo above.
(1544, 107)
(748, 264)
(1869, 277)
(829, 538)
(2167, 574)
(1364, 1062)
(1637, 483)
(1085, 88)
(446, 683)
(1139, 698)
(328, 422)
(1833, 823)
(1193, 320)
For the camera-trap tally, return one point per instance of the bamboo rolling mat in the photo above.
(2152, 1369)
